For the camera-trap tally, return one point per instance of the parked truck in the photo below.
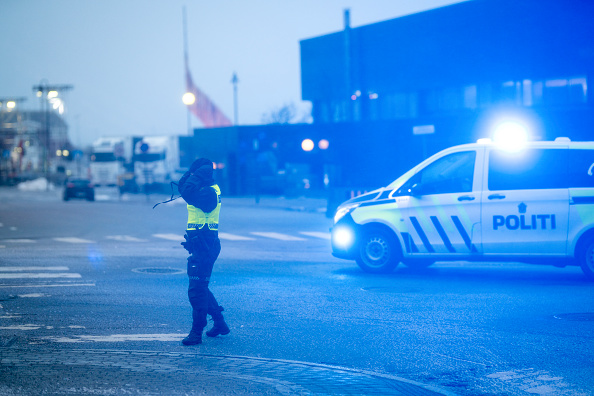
(109, 158)
(156, 162)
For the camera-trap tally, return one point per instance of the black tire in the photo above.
(419, 264)
(378, 251)
(91, 198)
(66, 197)
(586, 257)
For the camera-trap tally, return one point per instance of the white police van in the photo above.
(478, 202)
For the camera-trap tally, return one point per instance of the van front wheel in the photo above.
(586, 258)
(378, 252)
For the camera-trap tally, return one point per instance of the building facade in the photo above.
(465, 60)
(25, 137)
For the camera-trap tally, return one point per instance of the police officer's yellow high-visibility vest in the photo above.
(197, 218)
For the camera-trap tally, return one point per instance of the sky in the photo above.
(124, 58)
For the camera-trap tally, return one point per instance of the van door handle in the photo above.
(496, 196)
(466, 198)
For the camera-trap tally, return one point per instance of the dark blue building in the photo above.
(461, 61)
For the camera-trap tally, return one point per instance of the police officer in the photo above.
(203, 198)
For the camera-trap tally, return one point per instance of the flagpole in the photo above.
(186, 66)
(185, 27)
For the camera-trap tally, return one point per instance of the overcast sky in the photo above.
(124, 58)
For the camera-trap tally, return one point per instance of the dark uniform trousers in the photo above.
(205, 249)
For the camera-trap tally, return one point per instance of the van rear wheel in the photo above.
(378, 252)
(586, 258)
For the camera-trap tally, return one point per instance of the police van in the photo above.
(478, 202)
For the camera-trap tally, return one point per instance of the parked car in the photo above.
(79, 188)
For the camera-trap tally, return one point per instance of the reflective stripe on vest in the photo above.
(197, 218)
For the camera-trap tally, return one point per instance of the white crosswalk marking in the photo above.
(170, 237)
(125, 238)
(38, 272)
(276, 235)
(176, 337)
(232, 237)
(322, 235)
(16, 269)
(73, 240)
(19, 240)
(38, 275)
(41, 285)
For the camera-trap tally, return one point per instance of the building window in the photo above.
(527, 93)
(338, 110)
(396, 106)
(470, 97)
(510, 92)
(451, 99)
(485, 95)
(578, 90)
(562, 91)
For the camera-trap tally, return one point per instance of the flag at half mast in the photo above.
(203, 108)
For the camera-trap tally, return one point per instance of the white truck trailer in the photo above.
(156, 161)
(110, 158)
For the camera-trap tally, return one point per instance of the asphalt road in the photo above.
(102, 285)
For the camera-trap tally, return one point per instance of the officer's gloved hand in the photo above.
(186, 244)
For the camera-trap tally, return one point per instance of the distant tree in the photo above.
(282, 115)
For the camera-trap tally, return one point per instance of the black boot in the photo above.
(194, 338)
(219, 327)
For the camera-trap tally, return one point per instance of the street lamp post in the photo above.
(46, 92)
(234, 81)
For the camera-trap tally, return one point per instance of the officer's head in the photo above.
(202, 168)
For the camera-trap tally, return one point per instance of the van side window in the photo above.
(581, 168)
(531, 169)
(451, 174)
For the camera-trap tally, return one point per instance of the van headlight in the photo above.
(343, 210)
(343, 237)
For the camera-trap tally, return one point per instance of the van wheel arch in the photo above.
(584, 254)
(379, 250)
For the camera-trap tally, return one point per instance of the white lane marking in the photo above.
(125, 238)
(118, 338)
(21, 327)
(14, 269)
(12, 228)
(276, 235)
(537, 382)
(26, 275)
(170, 237)
(38, 286)
(19, 241)
(322, 235)
(232, 237)
(73, 240)
(33, 295)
